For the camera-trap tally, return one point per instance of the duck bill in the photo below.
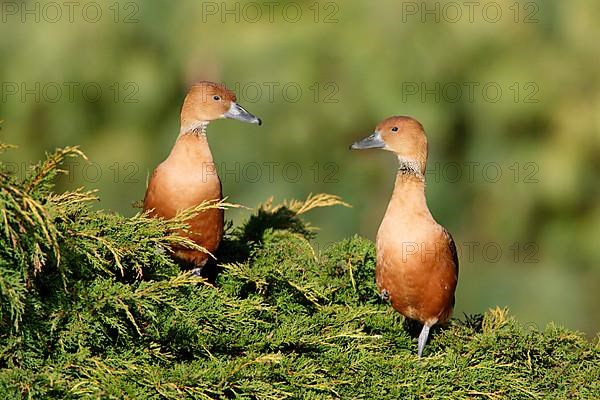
(241, 114)
(373, 141)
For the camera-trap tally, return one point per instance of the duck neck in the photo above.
(411, 167)
(409, 193)
(198, 128)
(191, 146)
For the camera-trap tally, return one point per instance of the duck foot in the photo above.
(384, 295)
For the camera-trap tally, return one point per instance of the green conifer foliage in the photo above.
(93, 306)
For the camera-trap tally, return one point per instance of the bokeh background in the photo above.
(508, 91)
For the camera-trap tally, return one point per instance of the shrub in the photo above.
(93, 306)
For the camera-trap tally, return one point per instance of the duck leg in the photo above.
(423, 338)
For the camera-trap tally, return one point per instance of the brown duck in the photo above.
(417, 263)
(188, 176)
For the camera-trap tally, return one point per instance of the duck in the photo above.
(416, 258)
(188, 176)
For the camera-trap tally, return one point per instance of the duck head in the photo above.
(208, 101)
(403, 136)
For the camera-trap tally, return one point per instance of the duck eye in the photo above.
(395, 129)
(216, 98)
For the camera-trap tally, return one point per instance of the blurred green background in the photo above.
(509, 94)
